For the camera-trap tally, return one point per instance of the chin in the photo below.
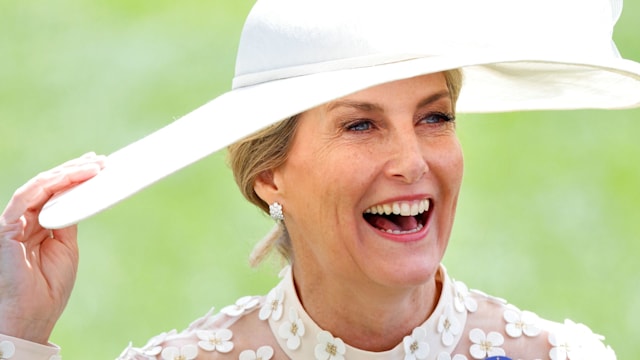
(402, 273)
(401, 264)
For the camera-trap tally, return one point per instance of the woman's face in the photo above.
(370, 186)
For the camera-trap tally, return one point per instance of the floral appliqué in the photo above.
(447, 356)
(292, 330)
(562, 349)
(485, 344)
(463, 299)
(273, 305)
(415, 345)
(154, 346)
(578, 342)
(519, 323)
(215, 340)
(242, 305)
(448, 326)
(263, 353)
(329, 348)
(7, 350)
(187, 352)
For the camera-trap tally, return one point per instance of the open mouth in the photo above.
(400, 217)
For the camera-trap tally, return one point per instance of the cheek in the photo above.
(336, 183)
(316, 182)
(448, 166)
(342, 178)
(346, 166)
(356, 172)
(457, 165)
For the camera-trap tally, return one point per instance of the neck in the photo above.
(365, 316)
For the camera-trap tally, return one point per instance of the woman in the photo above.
(362, 179)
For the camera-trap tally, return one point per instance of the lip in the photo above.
(403, 198)
(406, 238)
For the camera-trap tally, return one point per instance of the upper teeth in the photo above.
(403, 208)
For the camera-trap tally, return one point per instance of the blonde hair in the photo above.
(268, 149)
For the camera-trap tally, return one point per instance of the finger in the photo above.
(65, 179)
(11, 232)
(60, 182)
(90, 156)
(38, 190)
(67, 235)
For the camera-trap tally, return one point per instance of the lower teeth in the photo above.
(404, 232)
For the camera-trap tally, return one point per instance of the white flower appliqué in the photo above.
(273, 305)
(485, 345)
(578, 342)
(242, 305)
(329, 348)
(448, 326)
(7, 350)
(263, 353)
(463, 299)
(447, 356)
(415, 345)
(561, 347)
(187, 352)
(215, 340)
(519, 323)
(292, 330)
(154, 346)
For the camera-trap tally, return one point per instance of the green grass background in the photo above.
(548, 216)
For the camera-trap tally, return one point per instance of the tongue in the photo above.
(394, 222)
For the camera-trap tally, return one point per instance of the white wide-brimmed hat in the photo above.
(297, 54)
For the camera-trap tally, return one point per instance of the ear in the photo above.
(267, 187)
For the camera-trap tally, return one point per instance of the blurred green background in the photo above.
(548, 216)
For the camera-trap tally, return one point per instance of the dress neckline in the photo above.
(301, 338)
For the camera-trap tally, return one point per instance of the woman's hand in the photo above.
(38, 266)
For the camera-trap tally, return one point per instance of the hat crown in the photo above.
(285, 38)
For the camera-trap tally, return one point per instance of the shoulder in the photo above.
(223, 335)
(521, 334)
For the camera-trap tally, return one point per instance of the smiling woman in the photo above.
(337, 169)
(362, 178)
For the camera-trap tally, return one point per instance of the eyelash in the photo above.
(351, 126)
(441, 118)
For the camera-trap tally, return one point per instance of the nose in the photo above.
(407, 162)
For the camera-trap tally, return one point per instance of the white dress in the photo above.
(465, 325)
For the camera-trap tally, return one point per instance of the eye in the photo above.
(437, 118)
(359, 125)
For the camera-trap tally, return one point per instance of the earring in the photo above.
(275, 211)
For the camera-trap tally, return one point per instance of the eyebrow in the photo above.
(367, 106)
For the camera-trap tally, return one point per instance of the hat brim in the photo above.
(493, 82)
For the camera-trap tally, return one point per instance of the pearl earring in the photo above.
(275, 211)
